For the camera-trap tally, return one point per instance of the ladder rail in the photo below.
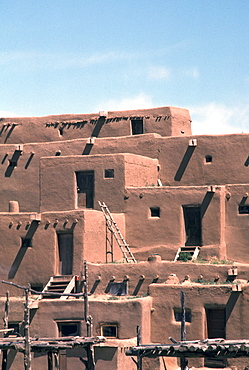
(113, 228)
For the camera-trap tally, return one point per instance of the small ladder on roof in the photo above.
(193, 253)
(58, 284)
(113, 227)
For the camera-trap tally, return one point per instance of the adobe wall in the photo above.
(58, 180)
(111, 355)
(38, 263)
(176, 160)
(142, 274)
(166, 121)
(197, 298)
(237, 230)
(168, 230)
(183, 164)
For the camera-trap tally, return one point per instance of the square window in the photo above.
(208, 158)
(178, 315)
(154, 212)
(109, 331)
(109, 173)
(16, 328)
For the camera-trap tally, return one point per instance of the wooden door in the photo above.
(85, 188)
(193, 229)
(65, 253)
(216, 328)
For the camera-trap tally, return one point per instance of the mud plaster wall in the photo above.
(182, 164)
(127, 314)
(142, 274)
(38, 263)
(165, 121)
(236, 224)
(168, 230)
(58, 180)
(22, 182)
(166, 298)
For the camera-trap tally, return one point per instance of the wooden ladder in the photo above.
(113, 227)
(193, 253)
(58, 284)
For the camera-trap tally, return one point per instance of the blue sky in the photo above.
(77, 56)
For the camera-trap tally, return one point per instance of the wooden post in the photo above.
(87, 317)
(50, 360)
(90, 358)
(183, 360)
(90, 364)
(183, 318)
(57, 360)
(27, 353)
(5, 325)
(139, 358)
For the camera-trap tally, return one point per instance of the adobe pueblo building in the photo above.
(152, 209)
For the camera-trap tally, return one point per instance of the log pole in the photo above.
(183, 360)
(5, 325)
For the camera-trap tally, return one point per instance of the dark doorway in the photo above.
(192, 219)
(67, 329)
(65, 252)
(85, 188)
(137, 126)
(216, 328)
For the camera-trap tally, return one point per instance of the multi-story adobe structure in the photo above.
(166, 190)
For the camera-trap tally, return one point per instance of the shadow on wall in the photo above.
(9, 129)
(231, 303)
(95, 133)
(247, 162)
(26, 243)
(206, 201)
(184, 163)
(13, 162)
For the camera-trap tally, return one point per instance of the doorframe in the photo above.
(76, 187)
(191, 205)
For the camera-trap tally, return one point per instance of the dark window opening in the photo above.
(137, 126)
(118, 289)
(69, 329)
(208, 158)
(26, 242)
(244, 210)
(110, 331)
(178, 315)
(109, 173)
(16, 328)
(154, 212)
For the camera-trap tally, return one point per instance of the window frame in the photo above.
(112, 325)
(68, 323)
